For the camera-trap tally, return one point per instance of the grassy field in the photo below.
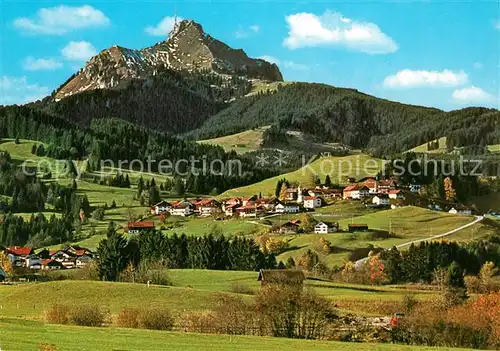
(339, 169)
(494, 148)
(17, 335)
(241, 142)
(406, 224)
(423, 148)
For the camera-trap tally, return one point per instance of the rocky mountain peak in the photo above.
(188, 48)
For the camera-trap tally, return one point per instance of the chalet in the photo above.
(18, 254)
(182, 208)
(288, 228)
(207, 207)
(287, 208)
(233, 201)
(292, 194)
(356, 192)
(372, 185)
(78, 250)
(386, 185)
(312, 202)
(358, 228)
(82, 261)
(395, 194)
(326, 227)
(137, 227)
(230, 210)
(161, 207)
(381, 200)
(49, 264)
(250, 210)
(33, 262)
(246, 200)
(326, 193)
(287, 277)
(268, 203)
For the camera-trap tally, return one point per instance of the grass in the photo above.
(423, 148)
(494, 148)
(339, 169)
(246, 141)
(407, 224)
(29, 335)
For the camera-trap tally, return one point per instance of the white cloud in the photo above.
(285, 63)
(245, 32)
(62, 19)
(477, 65)
(270, 59)
(411, 78)
(78, 51)
(17, 90)
(472, 95)
(332, 29)
(41, 64)
(163, 28)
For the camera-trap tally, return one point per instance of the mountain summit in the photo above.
(188, 48)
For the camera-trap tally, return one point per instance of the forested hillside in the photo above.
(353, 118)
(172, 101)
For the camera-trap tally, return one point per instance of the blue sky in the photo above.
(435, 53)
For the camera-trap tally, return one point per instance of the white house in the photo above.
(182, 208)
(161, 207)
(395, 194)
(381, 200)
(312, 202)
(82, 261)
(325, 228)
(33, 262)
(230, 210)
(463, 211)
(356, 192)
(287, 208)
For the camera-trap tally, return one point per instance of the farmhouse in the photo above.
(372, 185)
(137, 227)
(161, 207)
(33, 262)
(287, 208)
(18, 254)
(246, 200)
(230, 210)
(268, 203)
(292, 194)
(460, 210)
(51, 264)
(207, 207)
(250, 210)
(281, 277)
(312, 202)
(289, 228)
(381, 200)
(326, 193)
(326, 227)
(356, 192)
(386, 185)
(82, 261)
(233, 201)
(182, 208)
(358, 228)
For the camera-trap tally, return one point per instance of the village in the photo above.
(372, 193)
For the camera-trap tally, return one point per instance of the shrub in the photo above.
(128, 318)
(159, 319)
(87, 315)
(242, 289)
(57, 314)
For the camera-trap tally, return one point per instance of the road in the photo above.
(434, 237)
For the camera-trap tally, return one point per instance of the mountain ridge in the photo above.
(188, 48)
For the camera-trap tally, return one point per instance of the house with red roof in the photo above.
(372, 185)
(396, 194)
(18, 254)
(246, 200)
(230, 210)
(356, 192)
(312, 202)
(207, 207)
(137, 227)
(161, 207)
(51, 264)
(182, 208)
(250, 210)
(386, 185)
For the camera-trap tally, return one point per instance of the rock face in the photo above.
(188, 48)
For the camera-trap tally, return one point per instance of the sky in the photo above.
(444, 54)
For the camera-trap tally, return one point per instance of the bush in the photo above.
(57, 314)
(128, 318)
(242, 289)
(158, 319)
(88, 316)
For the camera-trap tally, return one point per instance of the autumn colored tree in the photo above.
(449, 191)
(5, 263)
